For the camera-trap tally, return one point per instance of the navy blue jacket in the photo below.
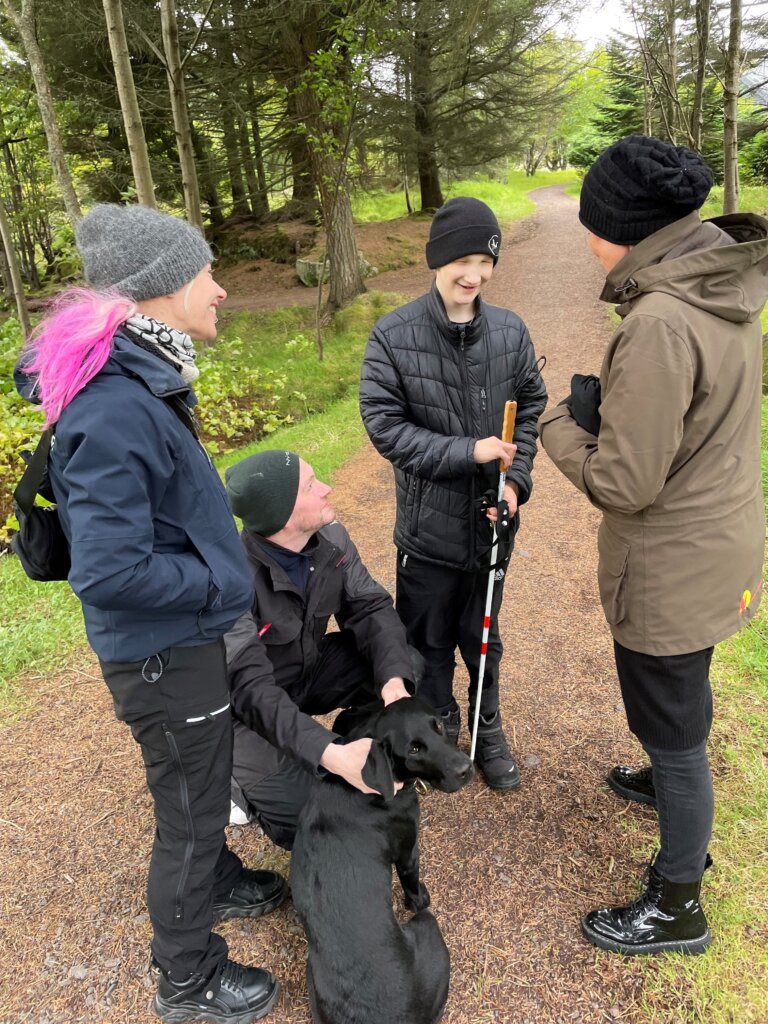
(156, 558)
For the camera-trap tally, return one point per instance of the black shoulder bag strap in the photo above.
(29, 486)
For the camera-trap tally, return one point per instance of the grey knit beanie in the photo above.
(139, 252)
(262, 490)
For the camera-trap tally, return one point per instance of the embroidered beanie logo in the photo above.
(493, 244)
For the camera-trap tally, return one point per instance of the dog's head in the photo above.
(411, 743)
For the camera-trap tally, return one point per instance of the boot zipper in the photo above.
(189, 846)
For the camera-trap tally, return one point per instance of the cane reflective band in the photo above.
(211, 714)
(507, 430)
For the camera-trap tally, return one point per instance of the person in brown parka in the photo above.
(666, 443)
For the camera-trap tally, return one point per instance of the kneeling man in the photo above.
(283, 665)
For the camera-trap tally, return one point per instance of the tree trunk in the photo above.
(23, 19)
(303, 194)
(129, 104)
(202, 149)
(261, 200)
(423, 112)
(255, 194)
(14, 271)
(234, 159)
(702, 46)
(181, 120)
(730, 111)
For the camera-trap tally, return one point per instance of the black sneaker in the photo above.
(452, 724)
(234, 995)
(633, 783)
(492, 754)
(256, 893)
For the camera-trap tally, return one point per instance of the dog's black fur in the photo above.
(364, 967)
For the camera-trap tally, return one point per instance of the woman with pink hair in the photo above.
(160, 571)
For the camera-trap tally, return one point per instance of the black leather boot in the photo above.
(452, 724)
(256, 893)
(633, 783)
(492, 754)
(235, 995)
(667, 918)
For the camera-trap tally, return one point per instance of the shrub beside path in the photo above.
(509, 874)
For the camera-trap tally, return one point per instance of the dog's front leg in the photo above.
(407, 867)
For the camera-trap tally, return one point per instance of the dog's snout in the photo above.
(464, 772)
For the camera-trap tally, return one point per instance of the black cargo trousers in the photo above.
(176, 703)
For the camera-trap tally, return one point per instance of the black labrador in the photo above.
(364, 967)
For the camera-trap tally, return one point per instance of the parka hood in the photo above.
(718, 265)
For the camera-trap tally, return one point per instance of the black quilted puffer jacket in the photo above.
(429, 389)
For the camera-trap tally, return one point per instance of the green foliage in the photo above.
(20, 423)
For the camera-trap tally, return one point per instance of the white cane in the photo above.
(507, 430)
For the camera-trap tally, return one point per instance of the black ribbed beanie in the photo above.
(262, 490)
(462, 227)
(639, 185)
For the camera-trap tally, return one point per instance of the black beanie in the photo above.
(262, 490)
(462, 227)
(639, 185)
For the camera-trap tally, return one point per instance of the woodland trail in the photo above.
(509, 875)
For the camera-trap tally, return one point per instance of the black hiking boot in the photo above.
(492, 754)
(633, 783)
(667, 918)
(234, 995)
(452, 724)
(256, 893)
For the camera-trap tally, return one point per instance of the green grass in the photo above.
(508, 200)
(752, 199)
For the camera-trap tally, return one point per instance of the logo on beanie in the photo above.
(493, 244)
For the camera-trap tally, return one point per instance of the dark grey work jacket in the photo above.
(269, 674)
(429, 389)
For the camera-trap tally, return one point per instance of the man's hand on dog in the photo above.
(347, 761)
(394, 689)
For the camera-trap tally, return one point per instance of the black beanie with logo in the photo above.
(262, 490)
(639, 185)
(462, 227)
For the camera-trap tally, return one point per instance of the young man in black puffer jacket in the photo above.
(436, 376)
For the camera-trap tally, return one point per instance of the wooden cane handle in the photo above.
(508, 428)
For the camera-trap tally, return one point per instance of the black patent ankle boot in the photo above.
(667, 918)
(234, 995)
(633, 783)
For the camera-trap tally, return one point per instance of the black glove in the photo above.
(585, 401)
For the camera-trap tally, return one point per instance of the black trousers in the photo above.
(668, 700)
(177, 706)
(274, 785)
(443, 609)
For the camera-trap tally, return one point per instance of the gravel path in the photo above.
(509, 874)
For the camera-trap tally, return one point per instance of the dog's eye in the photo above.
(439, 727)
(416, 748)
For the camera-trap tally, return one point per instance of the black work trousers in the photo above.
(668, 700)
(442, 609)
(274, 784)
(177, 706)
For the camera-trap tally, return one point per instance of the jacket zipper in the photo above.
(189, 847)
(468, 405)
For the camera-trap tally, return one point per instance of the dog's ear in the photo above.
(377, 771)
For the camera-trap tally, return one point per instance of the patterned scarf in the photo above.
(174, 345)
